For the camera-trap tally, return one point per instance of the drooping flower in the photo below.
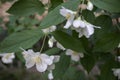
(51, 42)
(89, 6)
(36, 58)
(49, 29)
(7, 57)
(69, 15)
(83, 28)
(50, 75)
(52, 67)
(75, 56)
(116, 72)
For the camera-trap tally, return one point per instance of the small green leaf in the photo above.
(54, 17)
(107, 42)
(25, 39)
(61, 67)
(88, 62)
(52, 51)
(106, 70)
(109, 5)
(26, 7)
(68, 41)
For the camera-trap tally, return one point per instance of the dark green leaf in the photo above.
(61, 67)
(106, 71)
(24, 39)
(107, 42)
(26, 7)
(54, 17)
(109, 5)
(52, 51)
(88, 62)
(68, 41)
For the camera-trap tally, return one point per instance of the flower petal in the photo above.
(89, 6)
(41, 67)
(78, 23)
(75, 57)
(29, 63)
(50, 75)
(69, 52)
(46, 59)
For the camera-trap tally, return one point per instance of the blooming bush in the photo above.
(63, 39)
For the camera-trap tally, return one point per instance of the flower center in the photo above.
(75, 53)
(37, 59)
(7, 56)
(68, 16)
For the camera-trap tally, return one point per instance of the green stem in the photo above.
(43, 44)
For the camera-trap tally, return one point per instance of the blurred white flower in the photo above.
(119, 45)
(49, 29)
(35, 58)
(51, 42)
(7, 57)
(118, 58)
(89, 6)
(69, 15)
(50, 75)
(116, 72)
(75, 56)
(52, 67)
(83, 28)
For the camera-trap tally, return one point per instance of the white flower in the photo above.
(119, 45)
(118, 58)
(50, 75)
(49, 29)
(83, 28)
(40, 60)
(89, 6)
(51, 42)
(116, 72)
(75, 56)
(7, 57)
(69, 15)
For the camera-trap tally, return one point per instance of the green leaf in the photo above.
(55, 3)
(52, 51)
(26, 7)
(61, 67)
(25, 39)
(109, 5)
(68, 41)
(106, 70)
(88, 62)
(88, 16)
(107, 42)
(54, 17)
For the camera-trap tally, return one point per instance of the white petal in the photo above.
(52, 28)
(89, 6)
(119, 45)
(68, 24)
(4, 60)
(29, 63)
(46, 59)
(119, 58)
(88, 30)
(50, 75)
(80, 34)
(75, 57)
(56, 59)
(78, 23)
(63, 11)
(51, 41)
(69, 52)
(41, 67)
(60, 46)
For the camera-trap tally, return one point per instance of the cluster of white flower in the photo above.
(42, 61)
(81, 26)
(7, 57)
(116, 72)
